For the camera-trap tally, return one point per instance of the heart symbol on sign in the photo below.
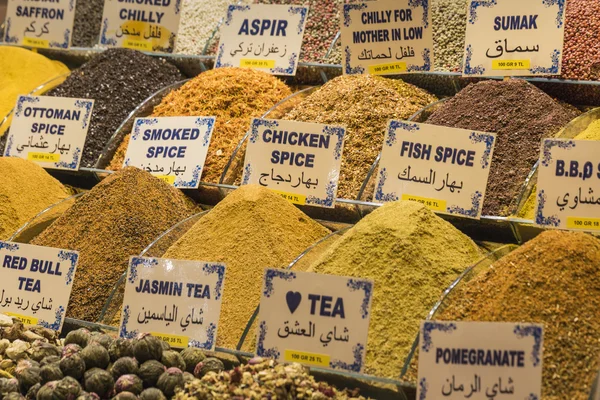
(293, 300)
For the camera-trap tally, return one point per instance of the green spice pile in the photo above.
(250, 230)
(521, 115)
(118, 218)
(553, 280)
(25, 190)
(262, 379)
(412, 255)
(364, 104)
(234, 96)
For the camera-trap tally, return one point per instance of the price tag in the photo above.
(176, 301)
(141, 25)
(171, 148)
(568, 188)
(299, 160)
(514, 37)
(39, 24)
(446, 169)
(387, 37)
(264, 37)
(313, 319)
(50, 131)
(480, 360)
(36, 283)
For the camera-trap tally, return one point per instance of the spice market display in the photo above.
(208, 261)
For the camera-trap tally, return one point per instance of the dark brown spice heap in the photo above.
(521, 115)
(87, 23)
(552, 280)
(115, 220)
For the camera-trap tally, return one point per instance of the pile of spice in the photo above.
(263, 379)
(88, 23)
(581, 59)
(118, 80)
(449, 19)
(364, 104)
(592, 132)
(550, 280)
(25, 190)
(22, 71)
(521, 115)
(233, 96)
(250, 230)
(118, 218)
(412, 255)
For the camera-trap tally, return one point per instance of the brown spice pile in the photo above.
(364, 104)
(521, 115)
(552, 280)
(252, 229)
(234, 96)
(115, 220)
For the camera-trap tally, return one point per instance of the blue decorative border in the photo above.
(24, 99)
(136, 262)
(489, 143)
(423, 386)
(260, 347)
(7, 37)
(549, 144)
(210, 339)
(177, 7)
(339, 132)
(138, 126)
(394, 126)
(523, 331)
(356, 366)
(472, 212)
(210, 123)
(367, 287)
(257, 123)
(218, 63)
(351, 7)
(123, 332)
(55, 326)
(561, 10)
(192, 183)
(379, 195)
(70, 165)
(540, 219)
(290, 68)
(552, 70)
(430, 326)
(302, 11)
(9, 246)
(230, 11)
(87, 105)
(271, 274)
(247, 174)
(468, 69)
(479, 3)
(9, 143)
(218, 269)
(71, 256)
(349, 69)
(71, 5)
(532, 396)
(426, 62)
(65, 43)
(327, 201)
(103, 39)
(425, 5)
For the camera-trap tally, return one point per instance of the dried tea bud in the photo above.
(28, 374)
(4, 344)
(46, 392)
(170, 380)
(129, 383)
(124, 366)
(95, 356)
(80, 336)
(209, 364)
(51, 372)
(147, 347)
(187, 377)
(67, 389)
(192, 356)
(33, 391)
(125, 396)
(17, 350)
(88, 396)
(102, 339)
(91, 372)
(44, 350)
(120, 348)
(152, 394)
(72, 366)
(14, 396)
(49, 360)
(71, 348)
(101, 383)
(8, 386)
(150, 371)
(165, 346)
(173, 359)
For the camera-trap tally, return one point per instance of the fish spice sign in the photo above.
(514, 37)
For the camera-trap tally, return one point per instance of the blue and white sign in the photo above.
(50, 131)
(36, 283)
(514, 37)
(177, 301)
(41, 24)
(173, 149)
(480, 361)
(298, 160)
(264, 37)
(313, 319)
(387, 37)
